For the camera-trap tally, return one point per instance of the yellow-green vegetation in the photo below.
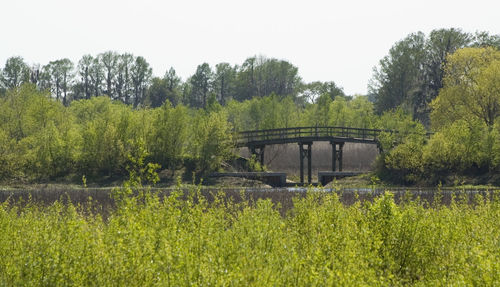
(54, 129)
(466, 120)
(187, 240)
(43, 140)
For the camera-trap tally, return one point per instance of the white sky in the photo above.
(338, 41)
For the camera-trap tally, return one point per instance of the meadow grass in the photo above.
(187, 240)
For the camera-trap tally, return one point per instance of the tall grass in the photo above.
(185, 241)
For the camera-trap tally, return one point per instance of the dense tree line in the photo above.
(99, 111)
(465, 116)
(66, 120)
(129, 79)
(411, 75)
(42, 139)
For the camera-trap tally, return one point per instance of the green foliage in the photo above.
(41, 140)
(38, 134)
(138, 168)
(342, 111)
(489, 151)
(361, 113)
(397, 120)
(464, 147)
(405, 162)
(263, 113)
(319, 114)
(157, 92)
(254, 164)
(181, 242)
(57, 75)
(396, 79)
(102, 150)
(211, 141)
(311, 91)
(224, 83)
(259, 77)
(471, 88)
(411, 75)
(465, 115)
(212, 104)
(200, 86)
(169, 137)
(456, 147)
(10, 162)
(15, 73)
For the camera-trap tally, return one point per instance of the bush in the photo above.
(168, 141)
(211, 142)
(184, 240)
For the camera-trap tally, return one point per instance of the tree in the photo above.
(186, 88)
(102, 151)
(173, 83)
(84, 70)
(211, 142)
(260, 76)
(439, 45)
(168, 140)
(312, 91)
(34, 74)
(96, 76)
(398, 79)
(60, 77)
(15, 72)
(164, 89)
(109, 61)
(400, 121)
(246, 88)
(66, 67)
(224, 82)
(157, 92)
(412, 74)
(201, 83)
(276, 76)
(140, 75)
(36, 137)
(471, 88)
(362, 115)
(123, 79)
(319, 114)
(484, 39)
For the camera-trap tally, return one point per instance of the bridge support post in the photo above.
(258, 151)
(305, 153)
(341, 152)
(334, 155)
(337, 155)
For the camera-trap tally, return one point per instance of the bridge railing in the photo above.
(308, 132)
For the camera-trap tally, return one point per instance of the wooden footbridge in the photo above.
(257, 140)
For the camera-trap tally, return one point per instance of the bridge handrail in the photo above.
(315, 131)
(312, 127)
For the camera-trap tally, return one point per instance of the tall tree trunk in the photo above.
(65, 89)
(87, 91)
(57, 89)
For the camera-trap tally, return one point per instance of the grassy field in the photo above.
(186, 239)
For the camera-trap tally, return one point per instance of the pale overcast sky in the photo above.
(338, 41)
